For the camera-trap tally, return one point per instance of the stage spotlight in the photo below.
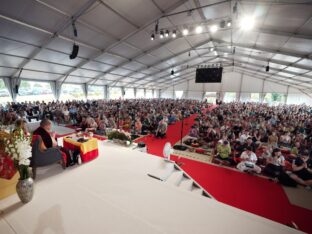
(161, 35)
(185, 31)
(199, 29)
(222, 24)
(152, 37)
(174, 34)
(213, 28)
(167, 33)
(247, 22)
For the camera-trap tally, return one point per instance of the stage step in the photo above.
(175, 178)
(186, 184)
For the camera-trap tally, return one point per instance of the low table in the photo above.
(88, 150)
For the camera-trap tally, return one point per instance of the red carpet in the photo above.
(250, 193)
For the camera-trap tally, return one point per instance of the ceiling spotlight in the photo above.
(156, 27)
(185, 31)
(229, 47)
(222, 24)
(172, 72)
(199, 29)
(167, 33)
(213, 28)
(211, 49)
(215, 53)
(161, 35)
(235, 8)
(247, 23)
(174, 34)
(229, 24)
(152, 37)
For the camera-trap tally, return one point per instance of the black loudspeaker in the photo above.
(16, 89)
(74, 52)
(267, 68)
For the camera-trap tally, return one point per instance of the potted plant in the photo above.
(19, 148)
(121, 137)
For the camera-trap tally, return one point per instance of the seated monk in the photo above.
(48, 141)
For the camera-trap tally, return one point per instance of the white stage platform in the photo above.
(113, 194)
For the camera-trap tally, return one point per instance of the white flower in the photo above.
(14, 156)
(25, 162)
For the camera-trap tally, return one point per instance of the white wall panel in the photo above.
(251, 84)
(270, 87)
(197, 95)
(231, 82)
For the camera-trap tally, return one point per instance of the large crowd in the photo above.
(275, 140)
(252, 137)
(138, 115)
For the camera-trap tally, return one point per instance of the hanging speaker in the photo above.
(74, 52)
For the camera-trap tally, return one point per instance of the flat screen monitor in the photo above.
(209, 75)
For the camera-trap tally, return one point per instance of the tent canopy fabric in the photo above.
(115, 46)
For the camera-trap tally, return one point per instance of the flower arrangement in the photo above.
(120, 135)
(19, 149)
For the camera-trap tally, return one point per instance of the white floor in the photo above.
(113, 194)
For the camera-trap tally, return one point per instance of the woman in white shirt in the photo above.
(248, 161)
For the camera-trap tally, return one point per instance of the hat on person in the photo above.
(225, 142)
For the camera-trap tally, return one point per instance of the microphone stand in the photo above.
(181, 147)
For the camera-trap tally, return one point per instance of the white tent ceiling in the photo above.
(115, 47)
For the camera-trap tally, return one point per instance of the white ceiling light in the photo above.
(185, 32)
(247, 22)
(199, 29)
(174, 34)
(229, 24)
(213, 28)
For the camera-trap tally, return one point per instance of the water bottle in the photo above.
(79, 159)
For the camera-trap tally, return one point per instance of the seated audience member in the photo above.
(194, 132)
(48, 141)
(224, 151)
(248, 161)
(21, 124)
(273, 140)
(161, 129)
(138, 126)
(300, 167)
(275, 163)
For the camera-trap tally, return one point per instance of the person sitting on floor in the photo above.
(248, 161)
(194, 132)
(275, 164)
(162, 129)
(224, 151)
(300, 167)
